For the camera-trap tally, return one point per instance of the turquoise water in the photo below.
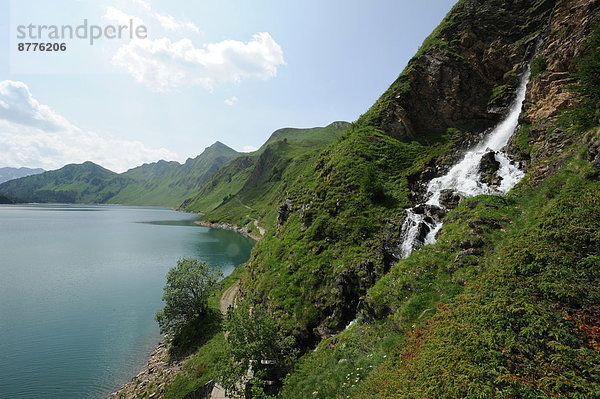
(79, 286)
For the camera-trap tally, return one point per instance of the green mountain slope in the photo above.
(342, 218)
(505, 304)
(75, 183)
(161, 183)
(249, 187)
(169, 183)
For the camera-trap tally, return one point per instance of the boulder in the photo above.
(432, 211)
(467, 252)
(449, 198)
(488, 168)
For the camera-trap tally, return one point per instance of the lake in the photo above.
(79, 286)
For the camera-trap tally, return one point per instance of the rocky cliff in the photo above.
(541, 143)
(465, 72)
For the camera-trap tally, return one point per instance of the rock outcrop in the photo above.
(548, 93)
(466, 68)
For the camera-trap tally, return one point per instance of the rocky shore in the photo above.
(242, 230)
(153, 380)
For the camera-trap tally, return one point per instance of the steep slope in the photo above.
(249, 187)
(464, 71)
(169, 183)
(7, 174)
(341, 222)
(504, 304)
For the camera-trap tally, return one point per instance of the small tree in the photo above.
(254, 341)
(189, 285)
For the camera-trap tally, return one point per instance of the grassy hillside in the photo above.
(161, 183)
(505, 304)
(249, 187)
(518, 318)
(169, 183)
(75, 183)
(340, 221)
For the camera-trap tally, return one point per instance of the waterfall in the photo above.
(465, 179)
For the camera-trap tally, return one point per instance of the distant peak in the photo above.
(220, 146)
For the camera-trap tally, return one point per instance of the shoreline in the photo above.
(153, 379)
(158, 372)
(240, 230)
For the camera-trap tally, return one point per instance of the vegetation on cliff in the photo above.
(505, 303)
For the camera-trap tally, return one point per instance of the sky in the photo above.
(185, 74)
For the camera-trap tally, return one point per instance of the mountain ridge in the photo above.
(162, 183)
(10, 173)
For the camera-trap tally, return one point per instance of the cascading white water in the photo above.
(464, 177)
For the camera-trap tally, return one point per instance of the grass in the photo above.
(249, 188)
(522, 141)
(327, 251)
(538, 66)
(498, 93)
(499, 324)
(512, 333)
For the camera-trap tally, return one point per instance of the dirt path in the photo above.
(244, 205)
(227, 299)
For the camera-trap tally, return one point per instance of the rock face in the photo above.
(449, 199)
(548, 94)
(472, 59)
(489, 166)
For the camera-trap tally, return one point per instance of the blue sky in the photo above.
(227, 70)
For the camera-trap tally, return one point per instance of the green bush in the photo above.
(538, 65)
(186, 293)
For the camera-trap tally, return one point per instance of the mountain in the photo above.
(161, 183)
(169, 183)
(7, 174)
(7, 200)
(74, 183)
(504, 301)
(248, 188)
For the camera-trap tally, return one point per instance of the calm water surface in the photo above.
(79, 286)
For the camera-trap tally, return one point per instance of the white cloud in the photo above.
(142, 3)
(231, 101)
(32, 134)
(249, 148)
(17, 105)
(162, 64)
(169, 22)
(118, 16)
